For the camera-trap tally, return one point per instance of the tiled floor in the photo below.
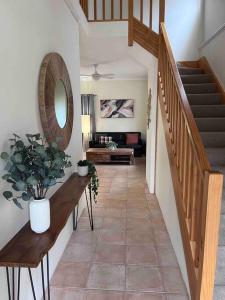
(129, 255)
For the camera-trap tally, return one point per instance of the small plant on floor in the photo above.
(94, 184)
(111, 145)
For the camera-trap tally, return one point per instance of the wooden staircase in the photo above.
(188, 93)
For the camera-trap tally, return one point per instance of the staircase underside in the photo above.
(207, 102)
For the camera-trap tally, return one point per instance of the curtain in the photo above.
(88, 108)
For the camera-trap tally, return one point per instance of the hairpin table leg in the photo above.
(48, 277)
(43, 279)
(8, 283)
(75, 216)
(13, 283)
(32, 284)
(90, 214)
(18, 285)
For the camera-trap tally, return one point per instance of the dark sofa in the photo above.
(120, 139)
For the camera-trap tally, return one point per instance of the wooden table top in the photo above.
(118, 151)
(27, 248)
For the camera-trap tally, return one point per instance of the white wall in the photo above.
(183, 24)
(29, 29)
(214, 16)
(165, 195)
(213, 48)
(119, 89)
(152, 130)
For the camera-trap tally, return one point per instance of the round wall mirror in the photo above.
(56, 100)
(60, 103)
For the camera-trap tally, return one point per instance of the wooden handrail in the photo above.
(198, 189)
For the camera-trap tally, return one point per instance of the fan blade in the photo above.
(86, 75)
(109, 76)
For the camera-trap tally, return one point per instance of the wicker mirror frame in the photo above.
(53, 69)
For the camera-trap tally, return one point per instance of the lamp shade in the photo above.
(85, 123)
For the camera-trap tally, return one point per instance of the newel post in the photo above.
(130, 23)
(162, 8)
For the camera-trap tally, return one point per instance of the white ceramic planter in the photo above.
(82, 171)
(39, 215)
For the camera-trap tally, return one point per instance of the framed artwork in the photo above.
(149, 108)
(117, 108)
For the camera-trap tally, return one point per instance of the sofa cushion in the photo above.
(132, 138)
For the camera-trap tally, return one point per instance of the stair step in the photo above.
(210, 124)
(189, 71)
(216, 156)
(213, 139)
(204, 99)
(200, 88)
(196, 78)
(200, 111)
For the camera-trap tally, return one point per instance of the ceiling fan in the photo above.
(96, 75)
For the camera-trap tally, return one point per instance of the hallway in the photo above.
(129, 255)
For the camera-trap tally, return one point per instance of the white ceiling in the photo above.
(113, 56)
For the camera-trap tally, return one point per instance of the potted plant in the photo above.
(94, 184)
(111, 145)
(82, 167)
(32, 169)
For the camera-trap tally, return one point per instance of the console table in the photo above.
(27, 249)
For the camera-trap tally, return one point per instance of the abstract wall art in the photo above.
(117, 108)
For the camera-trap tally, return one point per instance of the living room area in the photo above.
(114, 119)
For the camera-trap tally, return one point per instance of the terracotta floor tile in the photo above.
(107, 277)
(172, 280)
(137, 204)
(162, 238)
(167, 257)
(84, 237)
(114, 223)
(137, 213)
(71, 275)
(97, 212)
(117, 204)
(129, 255)
(135, 237)
(144, 278)
(139, 224)
(106, 253)
(111, 236)
(67, 294)
(84, 223)
(144, 296)
(104, 295)
(142, 255)
(177, 297)
(115, 212)
(78, 253)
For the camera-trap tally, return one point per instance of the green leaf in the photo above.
(6, 176)
(21, 185)
(22, 168)
(8, 195)
(17, 203)
(4, 155)
(32, 180)
(17, 158)
(8, 166)
(19, 144)
(54, 145)
(26, 196)
(16, 136)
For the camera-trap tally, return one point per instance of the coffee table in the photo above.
(103, 155)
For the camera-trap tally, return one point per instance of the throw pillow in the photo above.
(131, 138)
(102, 140)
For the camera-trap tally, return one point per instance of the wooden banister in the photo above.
(198, 189)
